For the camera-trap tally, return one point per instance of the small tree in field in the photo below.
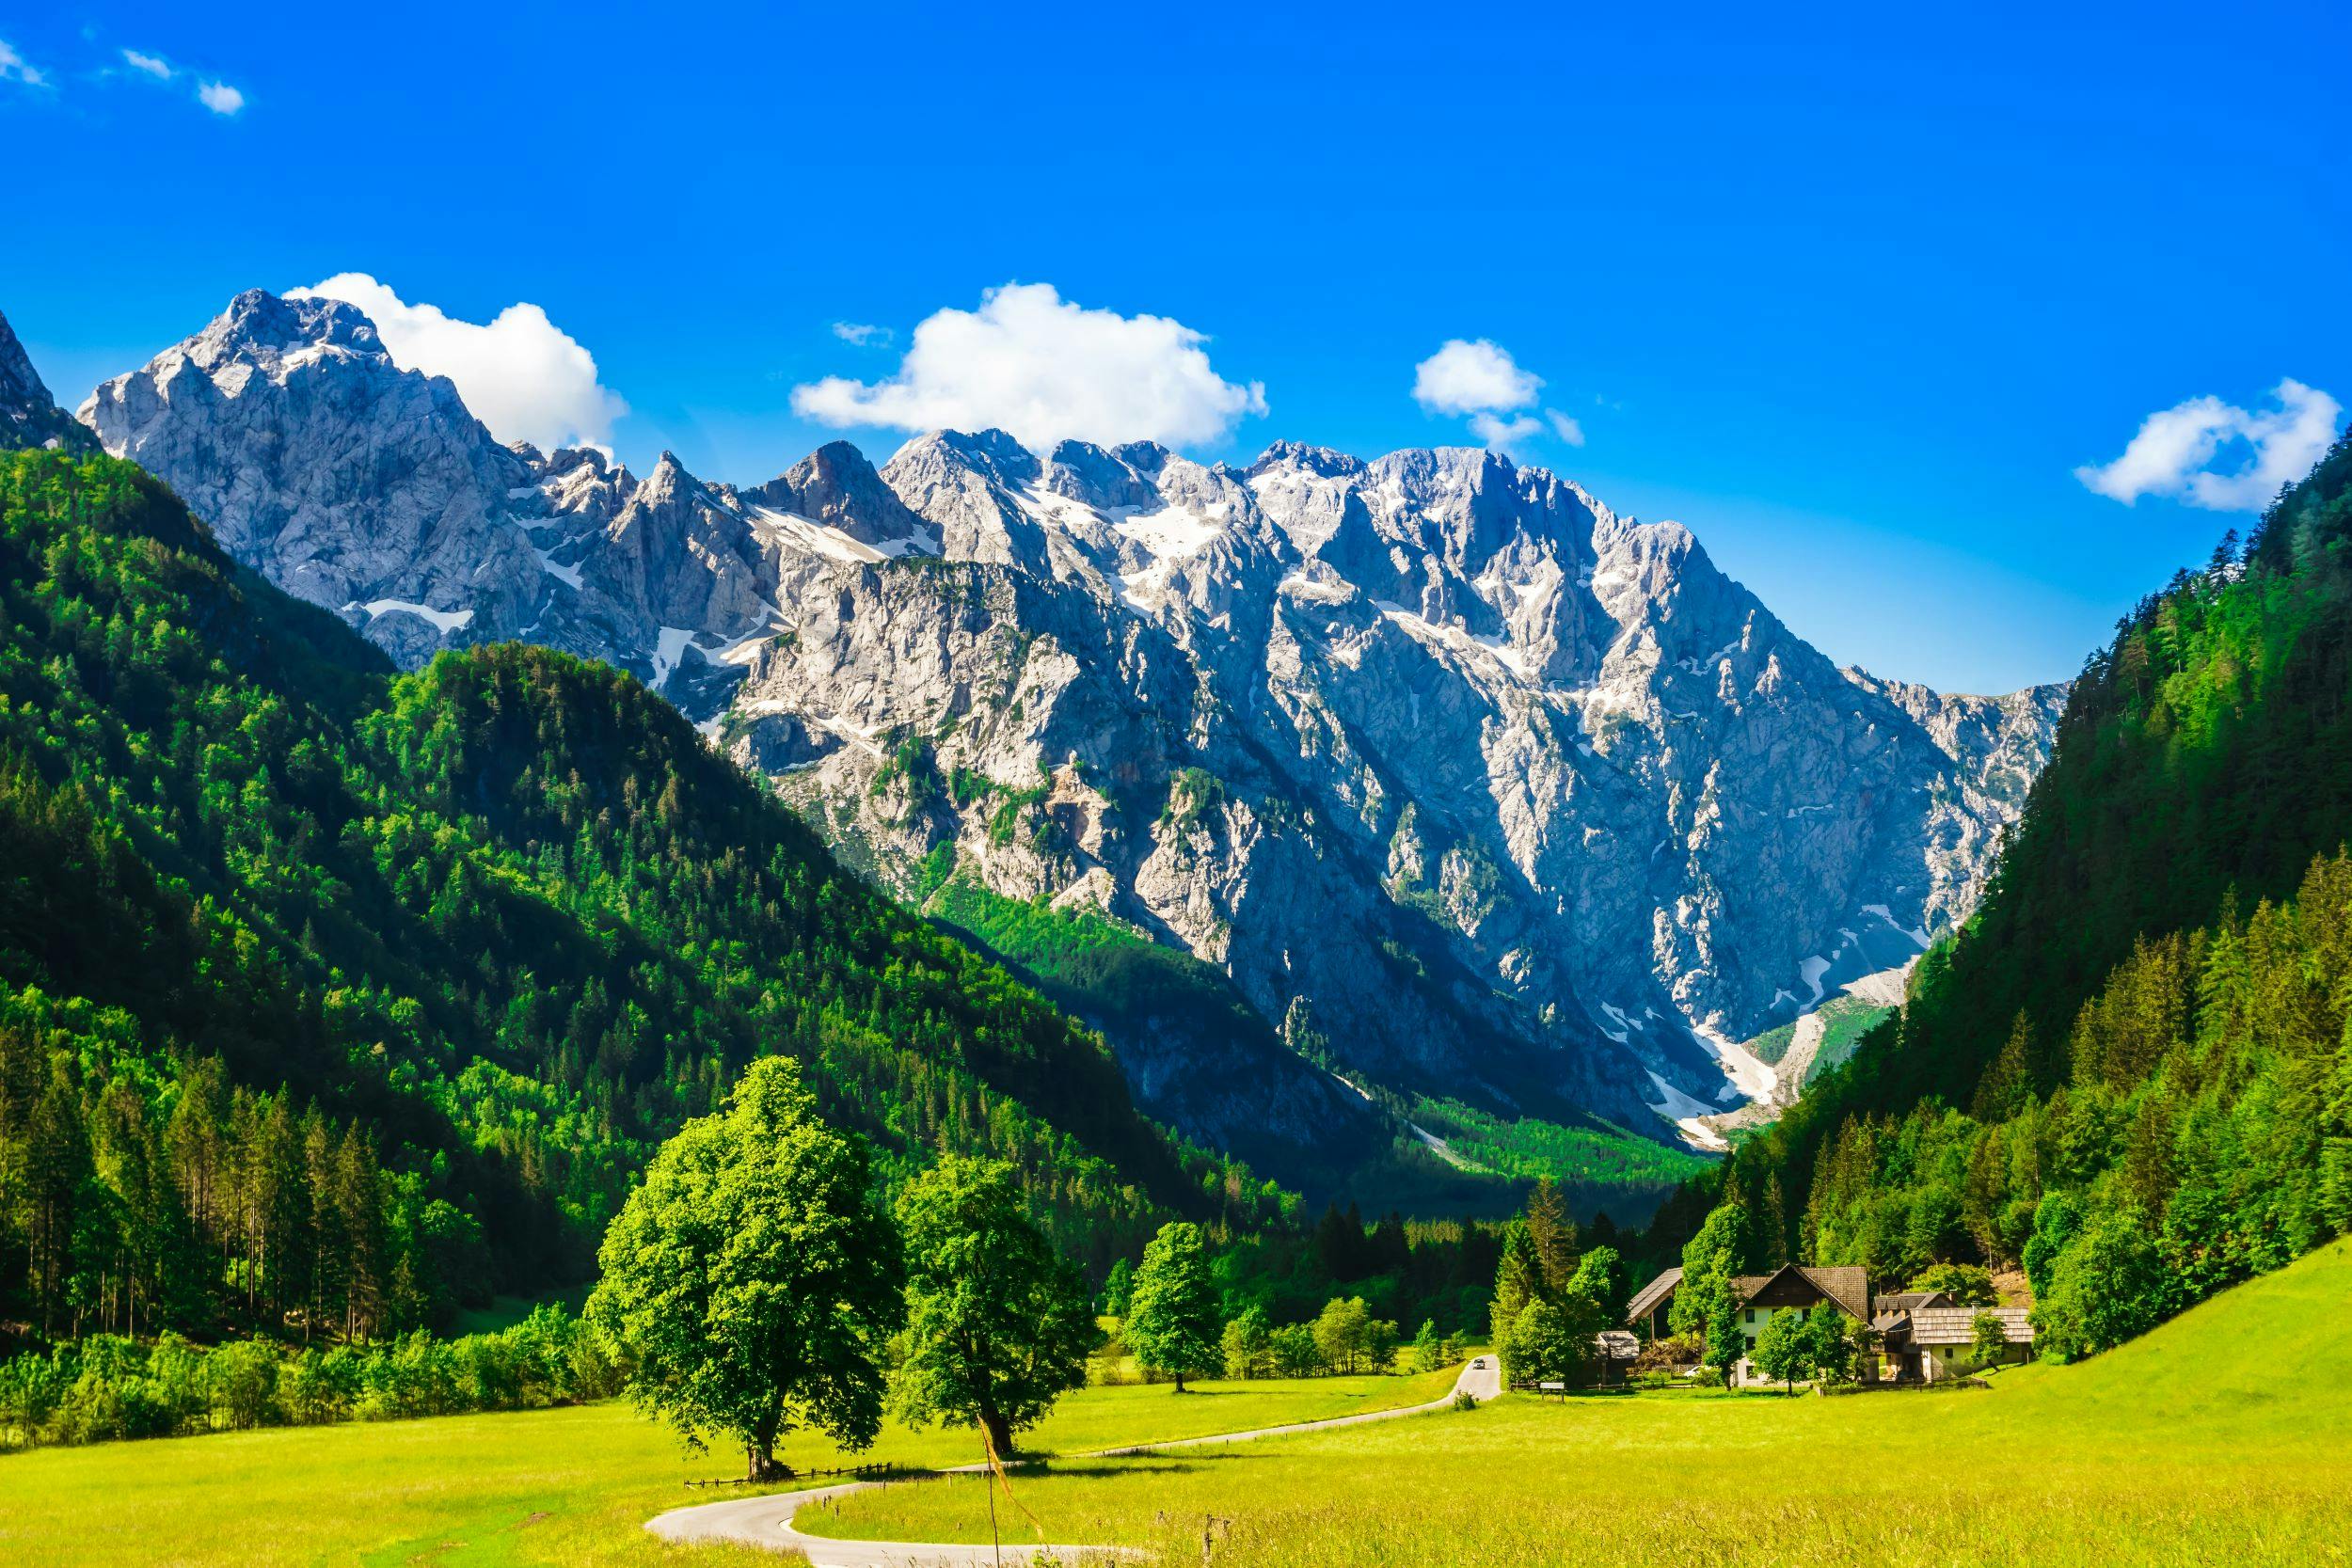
(1293, 1347)
(997, 1326)
(752, 1278)
(1426, 1351)
(1784, 1351)
(1988, 1339)
(1171, 1317)
(1344, 1335)
(1833, 1338)
(1248, 1344)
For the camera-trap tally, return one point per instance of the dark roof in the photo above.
(1910, 1301)
(1846, 1285)
(1645, 1300)
(1957, 1325)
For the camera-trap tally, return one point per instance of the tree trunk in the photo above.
(1180, 1383)
(997, 1432)
(762, 1445)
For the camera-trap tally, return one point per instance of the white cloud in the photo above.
(219, 97)
(1465, 377)
(14, 68)
(153, 65)
(862, 334)
(2174, 452)
(1481, 379)
(1044, 369)
(521, 375)
(1503, 434)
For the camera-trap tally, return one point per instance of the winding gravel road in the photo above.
(767, 1521)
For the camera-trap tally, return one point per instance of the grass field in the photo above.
(2221, 1438)
(2225, 1437)
(550, 1486)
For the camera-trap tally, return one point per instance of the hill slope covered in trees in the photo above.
(330, 998)
(2130, 1072)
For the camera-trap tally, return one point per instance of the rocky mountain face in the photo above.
(29, 416)
(1472, 785)
(1469, 782)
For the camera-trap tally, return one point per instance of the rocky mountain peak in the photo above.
(835, 487)
(29, 417)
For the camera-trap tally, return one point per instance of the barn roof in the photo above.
(1846, 1285)
(1957, 1325)
(1645, 1300)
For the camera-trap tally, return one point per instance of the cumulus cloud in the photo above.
(153, 65)
(14, 68)
(219, 97)
(863, 334)
(1467, 377)
(2174, 453)
(1482, 380)
(522, 376)
(1044, 369)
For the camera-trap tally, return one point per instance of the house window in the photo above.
(1751, 1314)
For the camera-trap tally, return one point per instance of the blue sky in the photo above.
(1855, 296)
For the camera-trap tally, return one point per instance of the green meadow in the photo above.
(544, 1486)
(2225, 1436)
(2221, 1437)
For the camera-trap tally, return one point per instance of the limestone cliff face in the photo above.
(1447, 763)
(1470, 783)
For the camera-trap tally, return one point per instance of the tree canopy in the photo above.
(753, 1279)
(1172, 1319)
(998, 1327)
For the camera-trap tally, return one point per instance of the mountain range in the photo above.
(1477, 793)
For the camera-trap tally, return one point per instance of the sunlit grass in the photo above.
(2221, 1439)
(550, 1486)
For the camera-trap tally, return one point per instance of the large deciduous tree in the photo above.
(1171, 1317)
(754, 1278)
(998, 1327)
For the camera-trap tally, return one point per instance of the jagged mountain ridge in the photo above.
(1471, 785)
(1445, 706)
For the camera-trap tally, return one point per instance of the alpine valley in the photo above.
(1422, 802)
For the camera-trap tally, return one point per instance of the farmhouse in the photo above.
(1795, 1288)
(1935, 1338)
(1926, 1336)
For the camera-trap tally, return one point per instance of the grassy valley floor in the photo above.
(552, 1486)
(2225, 1436)
(2222, 1437)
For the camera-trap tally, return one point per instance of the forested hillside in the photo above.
(331, 998)
(2130, 1072)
